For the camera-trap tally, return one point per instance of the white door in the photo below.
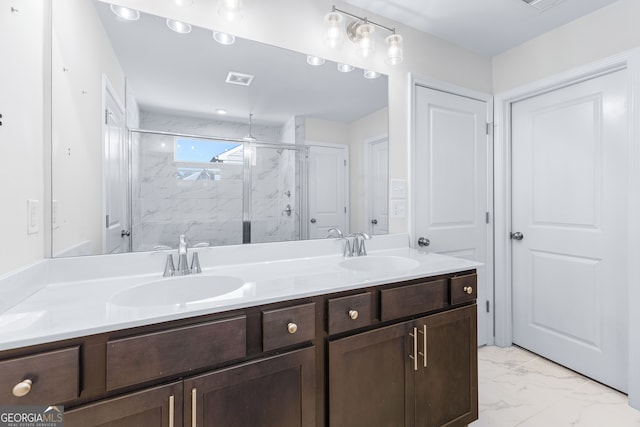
(569, 186)
(116, 207)
(327, 190)
(451, 184)
(377, 186)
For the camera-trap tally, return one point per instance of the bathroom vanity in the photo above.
(374, 349)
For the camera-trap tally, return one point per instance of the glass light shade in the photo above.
(224, 38)
(345, 68)
(366, 43)
(315, 60)
(179, 27)
(394, 49)
(125, 13)
(369, 74)
(231, 10)
(334, 33)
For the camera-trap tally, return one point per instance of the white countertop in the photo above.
(75, 308)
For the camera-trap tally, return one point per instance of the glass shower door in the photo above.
(275, 202)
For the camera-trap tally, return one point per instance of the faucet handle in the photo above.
(169, 268)
(195, 263)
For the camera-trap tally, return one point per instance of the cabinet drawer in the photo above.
(463, 288)
(412, 299)
(351, 312)
(54, 377)
(160, 354)
(287, 326)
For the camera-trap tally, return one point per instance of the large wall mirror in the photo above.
(157, 133)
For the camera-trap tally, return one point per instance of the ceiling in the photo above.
(487, 27)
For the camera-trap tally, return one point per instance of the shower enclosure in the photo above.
(216, 191)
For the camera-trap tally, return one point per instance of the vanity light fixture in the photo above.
(361, 32)
(224, 38)
(316, 61)
(345, 68)
(125, 13)
(178, 26)
(231, 10)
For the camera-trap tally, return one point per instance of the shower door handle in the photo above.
(313, 221)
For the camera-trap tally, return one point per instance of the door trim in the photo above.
(416, 81)
(502, 194)
(367, 211)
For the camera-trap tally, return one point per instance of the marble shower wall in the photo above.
(164, 205)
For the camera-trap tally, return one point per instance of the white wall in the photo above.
(21, 134)
(78, 64)
(605, 32)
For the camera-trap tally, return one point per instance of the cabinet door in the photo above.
(277, 391)
(155, 407)
(446, 390)
(370, 376)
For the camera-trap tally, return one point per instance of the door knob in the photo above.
(313, 220)
(424, 242)
(374, 221)
(125, 233)
(517, 235)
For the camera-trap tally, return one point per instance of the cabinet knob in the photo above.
(292, 328)
(353, 314)
(468, 289)
(22, 388)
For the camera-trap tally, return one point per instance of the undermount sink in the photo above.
(179, 291)
(379, 264)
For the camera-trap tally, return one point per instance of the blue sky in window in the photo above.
(200, 150)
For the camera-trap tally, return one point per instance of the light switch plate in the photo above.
(398, 189)
(398, 208)
(32, 216)
(54, 214)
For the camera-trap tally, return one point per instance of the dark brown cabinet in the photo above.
(278, 391)
(382, 378)
(154, 407)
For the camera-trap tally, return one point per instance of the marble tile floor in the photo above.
(519, 388)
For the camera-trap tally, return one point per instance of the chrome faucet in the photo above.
(183, 262)
(335, 230)
(348, 251)
(359, 248)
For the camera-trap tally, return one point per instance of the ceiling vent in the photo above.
(543, 5)
(239, 78)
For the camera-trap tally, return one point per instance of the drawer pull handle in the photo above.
(172, 406)
(194, 407)
(468, 289)
(353, 314)
(22, 388)
(414, 356)
(292, 328)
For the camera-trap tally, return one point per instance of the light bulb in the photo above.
(334, 33)
(345, 68)
(231, 10)
(366, 43)
(316, 61)
(179, 27)
(125, 13)
(394, 49)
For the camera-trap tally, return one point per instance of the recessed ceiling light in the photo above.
(179, 27)
(345, 68)
(221, 111)
(369, 74)
(316, 61)
(224, 38)
(125, 13)
(183, 3)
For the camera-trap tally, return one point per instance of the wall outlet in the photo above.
(398, 208)
(32, 216)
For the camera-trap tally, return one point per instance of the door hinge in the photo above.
(345, 209)
(487, 217)
(107, 222)
(106, 117)
(488, 307)
(489, 128)
(345, 162)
